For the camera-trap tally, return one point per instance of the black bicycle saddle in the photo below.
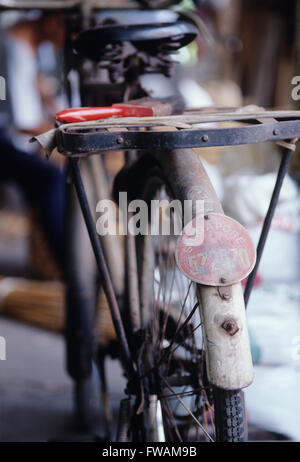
(148, 37)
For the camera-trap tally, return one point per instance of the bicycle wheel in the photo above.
(180, 403)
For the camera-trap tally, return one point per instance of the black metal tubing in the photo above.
(283, 168)
(80, 273)
(72, 142)
(102, 267)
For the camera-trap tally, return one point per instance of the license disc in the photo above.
(224, 255)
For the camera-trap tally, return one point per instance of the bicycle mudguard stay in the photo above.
(222, 309)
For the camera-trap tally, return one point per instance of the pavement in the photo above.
(35, 391)
(36, 402)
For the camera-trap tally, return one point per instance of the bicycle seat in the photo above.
(148, 37)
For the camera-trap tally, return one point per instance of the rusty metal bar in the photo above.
(283, 168)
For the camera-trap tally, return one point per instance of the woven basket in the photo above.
(41, 304)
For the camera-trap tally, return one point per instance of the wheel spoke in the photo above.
(170, 352)
(172, 347)
(188, 410)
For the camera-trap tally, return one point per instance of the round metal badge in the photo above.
(215, 250)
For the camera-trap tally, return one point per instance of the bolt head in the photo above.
(230, 326)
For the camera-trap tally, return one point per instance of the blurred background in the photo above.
(247, 54)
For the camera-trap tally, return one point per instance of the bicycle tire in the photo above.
(231, 423)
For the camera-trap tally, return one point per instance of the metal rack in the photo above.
(189, 130)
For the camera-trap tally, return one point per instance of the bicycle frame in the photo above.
(229, 363)
(226, 353)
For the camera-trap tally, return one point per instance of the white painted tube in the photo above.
(226, 339)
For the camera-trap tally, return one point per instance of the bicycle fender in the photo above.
(225, 332)
(222, 307)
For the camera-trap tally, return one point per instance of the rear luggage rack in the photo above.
(203, 128)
